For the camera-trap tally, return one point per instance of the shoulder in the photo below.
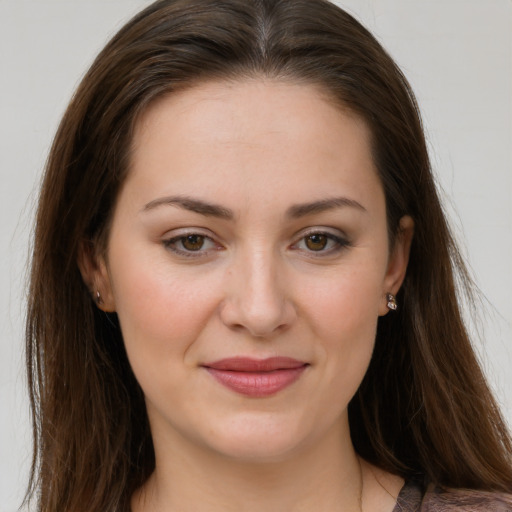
(466, 500)
(415, 497)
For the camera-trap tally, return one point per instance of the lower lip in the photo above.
(257, 384)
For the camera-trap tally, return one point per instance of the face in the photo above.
(248, 263)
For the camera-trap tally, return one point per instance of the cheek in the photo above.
(161, 316)
(161, 311)
(349, 299)
(343, 313)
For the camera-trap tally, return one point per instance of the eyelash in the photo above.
(340, 244)
(171, 245)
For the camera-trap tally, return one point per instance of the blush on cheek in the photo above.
(162, 310)
(344, 301)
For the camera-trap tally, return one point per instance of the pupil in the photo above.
(193, 242)
(316, 242)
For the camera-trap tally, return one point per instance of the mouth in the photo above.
(256, 378)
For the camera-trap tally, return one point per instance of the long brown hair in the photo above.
(423, 408)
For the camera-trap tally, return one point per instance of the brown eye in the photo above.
(316, 242)
(191, 245)
(192, 242)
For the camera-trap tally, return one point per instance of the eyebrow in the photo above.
(301, 210)
(194, 205)
(213, 210)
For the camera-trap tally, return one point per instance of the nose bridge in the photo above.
(261, 276)
(256, 299)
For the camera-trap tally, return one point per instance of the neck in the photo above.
(325, 475)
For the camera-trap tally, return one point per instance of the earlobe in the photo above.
(94, 270)
(397, 264)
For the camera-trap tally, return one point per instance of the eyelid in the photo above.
(341, 240)
(335, 235)
(175, 236)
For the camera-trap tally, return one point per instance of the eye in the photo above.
(316, 241)
(321, 242)
(190, 244)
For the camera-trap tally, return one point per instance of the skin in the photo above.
(257, 287)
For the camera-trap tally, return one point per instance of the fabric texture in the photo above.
(415, 497)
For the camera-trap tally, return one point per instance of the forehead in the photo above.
(251, 133)
(247, 108)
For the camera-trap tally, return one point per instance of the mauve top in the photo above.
(414, 497)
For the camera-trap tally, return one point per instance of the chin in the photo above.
(258, 440)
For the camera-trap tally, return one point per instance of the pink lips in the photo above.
(256, 377)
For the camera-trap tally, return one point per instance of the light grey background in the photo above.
(458, 57)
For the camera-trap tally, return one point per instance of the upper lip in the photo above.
(249, 364)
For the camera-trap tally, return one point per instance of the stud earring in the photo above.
(392, 305)
(99, 300)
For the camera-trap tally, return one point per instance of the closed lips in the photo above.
(256, 377)
(246, 364)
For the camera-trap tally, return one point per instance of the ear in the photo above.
(94, 270)
(398, 260)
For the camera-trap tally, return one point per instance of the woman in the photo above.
(243, 284)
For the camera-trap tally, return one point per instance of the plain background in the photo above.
(457, 55)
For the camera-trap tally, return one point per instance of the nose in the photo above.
(256, 297)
